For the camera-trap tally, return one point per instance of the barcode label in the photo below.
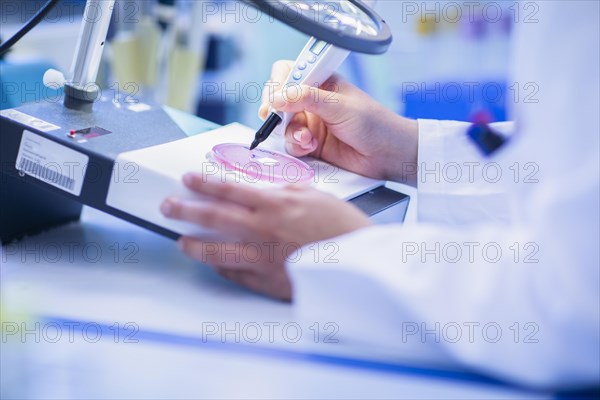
(46, 174)
(51, 162)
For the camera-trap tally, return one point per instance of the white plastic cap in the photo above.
(54, 79)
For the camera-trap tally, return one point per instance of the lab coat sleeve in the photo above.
(518, 300)
(520, 304)
(456, 184)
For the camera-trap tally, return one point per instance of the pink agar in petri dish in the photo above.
(262, 165)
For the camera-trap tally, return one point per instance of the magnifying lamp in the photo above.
(347, 24)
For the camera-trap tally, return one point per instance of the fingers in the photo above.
(295, 98)
(242, 263)
(230, 256)
(300, 141)
(246, 279)
(229, 219)
(235, 193)
(298, 98)
(279, 75)
(228, 209)
(281, 70)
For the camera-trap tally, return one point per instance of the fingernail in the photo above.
(166, 208)
(310, 146)
(278, 100)
(298, 136)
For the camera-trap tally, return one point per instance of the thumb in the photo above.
(325, 104)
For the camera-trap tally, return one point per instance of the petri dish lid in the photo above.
(262, 165)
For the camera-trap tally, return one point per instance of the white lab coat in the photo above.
(378, 293)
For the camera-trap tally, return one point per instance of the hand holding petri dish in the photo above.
(261, 165)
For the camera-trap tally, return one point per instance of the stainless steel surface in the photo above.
(86, 61)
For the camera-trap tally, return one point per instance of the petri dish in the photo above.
(262, 164)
